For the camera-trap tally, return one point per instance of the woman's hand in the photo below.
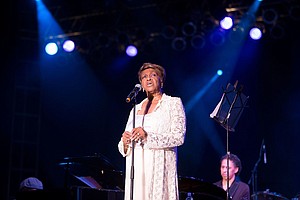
(138, 134)
(126, 137)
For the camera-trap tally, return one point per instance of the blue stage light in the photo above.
(51, 48)
(220, 72)
(68, 45)
(255, 33)
(131, 51)
(226, 23)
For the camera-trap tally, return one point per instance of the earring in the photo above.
(143, 90)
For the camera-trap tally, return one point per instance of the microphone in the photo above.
(133, 93)
(265, 154)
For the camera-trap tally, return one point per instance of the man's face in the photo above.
(232, 169)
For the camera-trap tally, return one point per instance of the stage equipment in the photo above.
(253, 178)
(266, 195)
(94, 171)
(133, 101)
(227, 113)
(86, 193)
(132, 95)
(199, 189)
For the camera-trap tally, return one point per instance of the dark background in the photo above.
(74, 105)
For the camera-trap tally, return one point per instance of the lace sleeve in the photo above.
(170, 128)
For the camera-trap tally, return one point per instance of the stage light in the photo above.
(189, 29)
(220, 72)
(198, 41)
(255, 33)
(131, 51)
(68, 45)
(51, 48)
(269, 16)
(179, 44)
(226, 23)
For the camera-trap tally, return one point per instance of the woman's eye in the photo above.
(150, 76)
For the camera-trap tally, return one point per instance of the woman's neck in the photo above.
(155, 97)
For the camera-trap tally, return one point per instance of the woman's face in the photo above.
(150, 80)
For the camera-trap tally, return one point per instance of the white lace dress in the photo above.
(155, 160)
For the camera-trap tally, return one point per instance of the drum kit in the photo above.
(267, 195)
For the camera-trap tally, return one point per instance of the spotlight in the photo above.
(220, 72)
(226, 23)
(255, 33)
(131, 51)
(189, 29)
(68, 45)
(51, 48)
(198, 41)
(179, 44)
(269, 16)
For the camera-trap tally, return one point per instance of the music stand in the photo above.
(228, 112)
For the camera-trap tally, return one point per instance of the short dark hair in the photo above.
(235, 159)
(161, 72)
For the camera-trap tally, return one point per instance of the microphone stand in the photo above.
(132, 152)
(253, 178)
